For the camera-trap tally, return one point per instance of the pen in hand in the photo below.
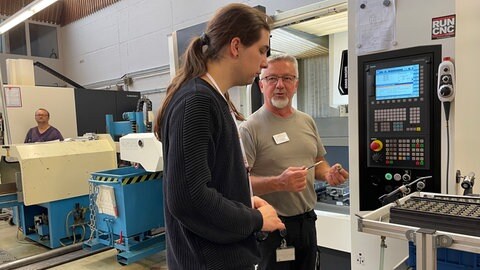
(314, 165)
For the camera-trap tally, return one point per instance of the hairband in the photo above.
(204, 39)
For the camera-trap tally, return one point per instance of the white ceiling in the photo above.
(307, 35)
(283, 41)
(326, 25)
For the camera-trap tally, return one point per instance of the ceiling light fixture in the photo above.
(24, 14)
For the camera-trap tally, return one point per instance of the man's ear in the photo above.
(235, 44)
(260, 85)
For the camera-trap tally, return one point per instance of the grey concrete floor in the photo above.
(13, 242)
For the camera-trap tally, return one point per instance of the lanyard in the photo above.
(245, 161)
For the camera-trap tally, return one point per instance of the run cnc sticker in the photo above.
(443, 27)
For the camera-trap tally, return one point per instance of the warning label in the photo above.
(443, 27)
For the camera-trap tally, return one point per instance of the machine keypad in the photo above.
(405, 150)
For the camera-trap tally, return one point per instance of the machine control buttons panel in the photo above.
(399, 151)
(397, 120)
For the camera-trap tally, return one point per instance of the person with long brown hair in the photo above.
(211, 216)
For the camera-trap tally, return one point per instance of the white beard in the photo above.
(280, 103)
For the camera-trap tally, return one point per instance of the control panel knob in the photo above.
(406, 177)
(376, 145)
(420, 185)
(377, 157)
(445, 90)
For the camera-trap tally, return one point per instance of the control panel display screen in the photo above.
(397, 82)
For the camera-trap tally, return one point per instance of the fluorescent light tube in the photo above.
(24, 14)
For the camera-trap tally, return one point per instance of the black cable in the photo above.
(446, 108)
(140, 103)
(448, 153)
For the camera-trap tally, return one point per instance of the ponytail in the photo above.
(195, 66)
(233, 20)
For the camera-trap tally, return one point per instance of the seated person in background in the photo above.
(43, 132)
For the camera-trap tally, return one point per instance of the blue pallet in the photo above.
(448, 259)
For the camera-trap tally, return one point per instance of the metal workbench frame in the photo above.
(426, 240)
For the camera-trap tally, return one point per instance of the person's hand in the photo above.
(293, 179)
(271, 221)
(258, 202)
(336, 175)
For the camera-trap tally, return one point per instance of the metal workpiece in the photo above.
(427, 240)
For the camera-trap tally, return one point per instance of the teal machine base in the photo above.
(54, 224)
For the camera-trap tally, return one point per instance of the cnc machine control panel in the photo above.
(399, 122)
(398, 114)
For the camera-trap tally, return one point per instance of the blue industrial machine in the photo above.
(48, 187)
(126, 204)
(134, 122)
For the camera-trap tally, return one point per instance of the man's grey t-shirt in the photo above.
(267, 157)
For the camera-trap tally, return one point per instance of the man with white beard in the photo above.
(281, 145)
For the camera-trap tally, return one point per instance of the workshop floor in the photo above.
(13, 245)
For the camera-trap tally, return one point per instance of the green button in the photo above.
(422, 163)
(388, 176)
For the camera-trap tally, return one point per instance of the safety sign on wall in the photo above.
(13, 96)
(443, 27)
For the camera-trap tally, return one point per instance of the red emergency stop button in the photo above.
(376, 145)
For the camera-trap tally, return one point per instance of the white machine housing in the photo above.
(143, 148)
(52, 171)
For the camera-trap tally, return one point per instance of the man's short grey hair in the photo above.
(281, 57)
